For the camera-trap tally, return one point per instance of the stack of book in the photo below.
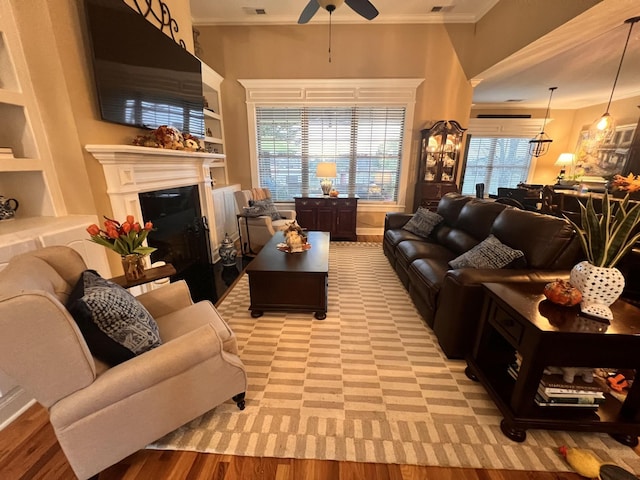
(553, 391)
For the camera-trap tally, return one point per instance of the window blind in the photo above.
(496, 162)
(365, 142)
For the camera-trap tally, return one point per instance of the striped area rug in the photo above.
(369, 384)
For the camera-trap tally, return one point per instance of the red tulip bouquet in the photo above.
(124, 238)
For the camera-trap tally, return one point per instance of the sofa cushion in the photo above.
(450, 205)
(114, 324)
(490, 253)
(477, 216)
(547, 242)
(423, 222)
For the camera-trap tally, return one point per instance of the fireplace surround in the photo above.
(155, 177)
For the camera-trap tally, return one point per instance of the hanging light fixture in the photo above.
(539, 145)
(604, 127)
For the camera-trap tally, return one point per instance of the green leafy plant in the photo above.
(608, 236)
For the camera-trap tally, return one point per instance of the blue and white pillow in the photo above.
(114, 324)
(423, 222)
(490, 253)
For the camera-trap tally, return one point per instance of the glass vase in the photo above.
(133, 266)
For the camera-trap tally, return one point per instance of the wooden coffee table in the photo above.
(281, 281)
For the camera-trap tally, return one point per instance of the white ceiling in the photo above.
(580, 57)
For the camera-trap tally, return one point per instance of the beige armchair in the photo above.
(258, 230)
(102, 414)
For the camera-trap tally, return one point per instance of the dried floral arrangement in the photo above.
(170, 138)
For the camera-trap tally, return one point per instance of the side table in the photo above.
(245, 247)
(517, 317)
(150, 275)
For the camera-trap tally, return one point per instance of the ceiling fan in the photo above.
(361, 7)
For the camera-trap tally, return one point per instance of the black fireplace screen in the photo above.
(181, 236)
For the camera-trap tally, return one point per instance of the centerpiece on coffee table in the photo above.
(295, 239)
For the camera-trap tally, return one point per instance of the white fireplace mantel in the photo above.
(130, 170)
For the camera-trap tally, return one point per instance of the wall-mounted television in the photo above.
(143, 77)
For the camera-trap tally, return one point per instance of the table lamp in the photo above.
(564, 160)
(326, 171)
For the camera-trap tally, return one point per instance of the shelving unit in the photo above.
(214, 127)
(438, 163)
(31, 169)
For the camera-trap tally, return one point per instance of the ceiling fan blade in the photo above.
(363, 7)
(309, 11)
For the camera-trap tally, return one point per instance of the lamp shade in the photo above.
(564, 159)
(326, 170)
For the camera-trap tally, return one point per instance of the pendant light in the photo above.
(605, 126)
(539, 145)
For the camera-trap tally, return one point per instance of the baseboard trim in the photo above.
(13, 404)
(370, 231)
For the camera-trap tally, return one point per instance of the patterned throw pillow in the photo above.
(423, 222)
(114, 324)
(490, 253)
(265, 207)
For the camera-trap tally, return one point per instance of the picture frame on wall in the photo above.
(605, 159)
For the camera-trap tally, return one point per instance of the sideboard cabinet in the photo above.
(336, 215)
(438, 162)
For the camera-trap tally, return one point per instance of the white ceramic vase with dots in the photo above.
(600, 287)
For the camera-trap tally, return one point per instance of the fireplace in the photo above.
(172, 189)
(181, 236)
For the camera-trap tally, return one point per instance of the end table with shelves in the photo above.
(517, 317)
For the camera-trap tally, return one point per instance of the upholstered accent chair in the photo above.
(101, 413)
(262, 220)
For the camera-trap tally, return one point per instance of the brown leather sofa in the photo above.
(451, 300)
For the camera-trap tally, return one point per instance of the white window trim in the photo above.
(508, 127)
(336, 92)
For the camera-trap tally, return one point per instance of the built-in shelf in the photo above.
(20, 165)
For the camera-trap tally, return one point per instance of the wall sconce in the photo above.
(605, 126)
(564, 160)
(539, 145)
(325, 171)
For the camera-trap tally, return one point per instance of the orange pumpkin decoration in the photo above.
(562, 293)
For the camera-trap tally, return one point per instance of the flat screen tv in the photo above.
(143, 77)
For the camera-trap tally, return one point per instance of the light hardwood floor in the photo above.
(29, 450)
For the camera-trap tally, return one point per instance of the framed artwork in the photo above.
(604, 159)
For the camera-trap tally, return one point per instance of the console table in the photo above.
(336, 215)
(517, 317)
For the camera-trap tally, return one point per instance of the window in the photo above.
(364, 142)
(363, 125)
(496, 162)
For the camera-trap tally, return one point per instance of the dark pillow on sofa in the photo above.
(423, 222)
(114, 324)
(265, 207)
(490, 253)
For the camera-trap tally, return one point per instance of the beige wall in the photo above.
(358, 51)
(508, 27)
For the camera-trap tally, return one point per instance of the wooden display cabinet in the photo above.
(438, 163)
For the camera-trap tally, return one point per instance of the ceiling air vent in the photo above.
(441, 8)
